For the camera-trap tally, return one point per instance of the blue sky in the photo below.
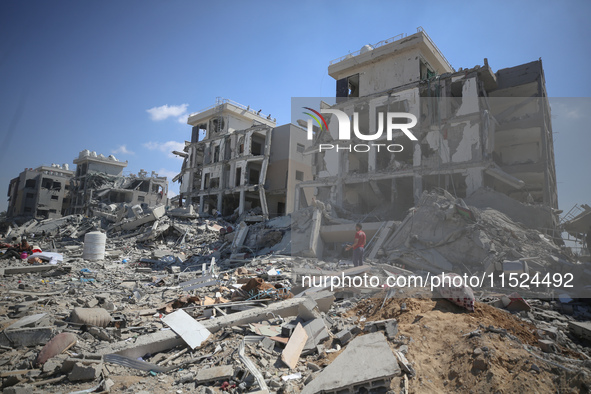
(80, 75)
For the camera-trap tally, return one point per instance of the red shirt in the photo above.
(360, 235)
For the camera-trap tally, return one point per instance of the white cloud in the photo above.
(171, 193)
(167, 173)
(567, 111)
(167, 111)
(122, 149)
(166, 147)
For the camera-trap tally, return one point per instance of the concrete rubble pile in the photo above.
(444, 233)
(182, 303)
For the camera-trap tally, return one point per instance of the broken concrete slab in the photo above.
(547, 346)
(580, 329)
(164, 340)
(27, 321)
(32, 269)
(294, 347)
(214, 373)
(317, 333)
(240, 235)
(82, 372)
(192, 332)
(366, 362)
(404, 364)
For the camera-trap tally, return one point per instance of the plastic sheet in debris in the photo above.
(51, 257)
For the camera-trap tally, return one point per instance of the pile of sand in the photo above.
(448, 359)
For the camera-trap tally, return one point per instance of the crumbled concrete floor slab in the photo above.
(366, 361)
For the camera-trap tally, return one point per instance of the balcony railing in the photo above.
(220, 101)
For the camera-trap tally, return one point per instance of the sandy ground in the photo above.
(445, 357)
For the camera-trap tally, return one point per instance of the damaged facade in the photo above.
(43, 192)
(97, 187)
(476, 129)
(237, 161)
(99, 182)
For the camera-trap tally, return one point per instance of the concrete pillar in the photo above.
(418, 188)
(416, 157)
(232, 176)
(241, 204)
(247, 143)
(474, 180)
(200, 204)
(242, 173)
(371, 160)
(219, 206)
(296, 199)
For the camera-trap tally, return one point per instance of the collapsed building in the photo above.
(475, 129)
(99, 182)
(238, 160)
(97, 187)
(42, 192)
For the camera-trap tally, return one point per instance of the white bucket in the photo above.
(94, 246)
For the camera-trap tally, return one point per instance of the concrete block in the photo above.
(547, 346)
(343, 337)
(52, 366)
(85, 372)
(317, 333)
(19, 390)
(287, 329)
(392, 329)
(92, 303)
(215, 373)
(580, 329)
(367, 362)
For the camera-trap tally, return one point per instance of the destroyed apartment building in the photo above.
(250, 293)
(100, 185)
(96, 187)
(43, 192)
(476, 130)
(238, 160)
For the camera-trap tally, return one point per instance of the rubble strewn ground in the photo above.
(119, 324)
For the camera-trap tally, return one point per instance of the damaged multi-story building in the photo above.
(99, 182)
(40, 193)
(97, 185)
(238, 160)
(475, 129)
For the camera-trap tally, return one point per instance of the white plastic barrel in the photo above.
(94, 246)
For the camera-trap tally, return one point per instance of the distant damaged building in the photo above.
(237, 161)
(40, 193)
(99, 184)
(474, 129)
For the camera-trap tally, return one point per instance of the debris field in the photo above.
(176, 303)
